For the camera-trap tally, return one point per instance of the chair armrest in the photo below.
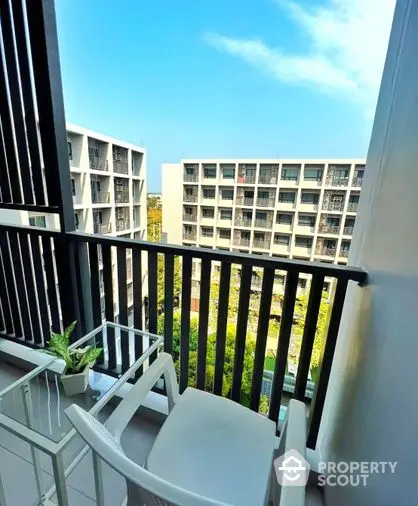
(163, 366)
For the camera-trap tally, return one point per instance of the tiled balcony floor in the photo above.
(16, 469)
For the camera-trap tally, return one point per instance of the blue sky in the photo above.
(225, 78)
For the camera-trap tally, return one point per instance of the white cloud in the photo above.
(347, 52)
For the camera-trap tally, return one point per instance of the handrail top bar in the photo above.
(285, 264)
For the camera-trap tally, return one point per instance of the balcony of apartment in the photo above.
(243, 218)
(190, 214)
(305, 223)
(242, 238)
(137, 160)
(74, 143)
(209, 173)
(313, 175)
(120, 160)
(263, 219)
(349, 226)
(284, 222)
(333, 202)
(246, 173)
(287, 200)
(309, 201)
(189, 233)
(268, 174)
(290, 175)
(226, 196)
(122, 223)
(206, 236)
(190, 194)
(344, 249)
(266, 198)
(101, 228)
(223, 238)
(136, 218)
(208, 195)
(337, 175)
(326, 247)
(358, 176)
(98, 154)
(224, 217)
(353, 202)
(302, 247)
(281, 244)
(244, 197)
(261, 241)
(330, 225)
(191, 173)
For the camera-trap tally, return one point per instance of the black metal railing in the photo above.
(242, 222)
(244, 201)
(325, 250)
(344, 252)
(120, 166)
(352, 207)
(265, 202)
(267, 179)
(189, 236)
(357, 181)
(329, 229)
(190, 217)
(263, 223)
(122, 197)
(98, 163)
(246, 179)
(333, 206)
(190, 198)
(27, 318)
(261, 243)
(190, 178)
(348, 230)
(99, 197)
(337, 181)
(102, 228)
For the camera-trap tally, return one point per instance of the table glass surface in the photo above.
(39, 401)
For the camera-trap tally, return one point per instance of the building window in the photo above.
(313, 175)
(188, 211)
(227, 194)
(208, 213)
(305, 220)
(37, 221)
(354, 199)
(333, 221)
(290, 174)
(208, 193)
(284, 219)
(228, 173)
(224, 234)
(226, 214)
(190, 171)
(281, 239)
(209, 172)
(303, 242)
(207, 232)
(287, 197)
(189, 191)
(261, 216)
(309, 198)
(70, 150)
(73, 186)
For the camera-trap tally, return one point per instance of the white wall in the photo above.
(371, 411)
(172, 199)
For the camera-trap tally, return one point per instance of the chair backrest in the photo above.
(144, 488)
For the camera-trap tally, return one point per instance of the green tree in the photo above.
(161, 283)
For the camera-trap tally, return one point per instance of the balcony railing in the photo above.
(325, 251)
(344, 253)
(101, 228)
(190, 217)
(261, 243)
(190, 178)
(329, 229)
(62, 287)
(246, 179)
(100, 197)
(122, 197)
(267, 179)
(348, 230)
(333, 206)
(242, 241)
(98, 163)
(189, 236)
(121, 167)
(244, 201)
(358, 181)
(122, 224)
(352, 207)
(242, 222)
(263, 223)
(262, 202)
(190, 198)
(337, 181)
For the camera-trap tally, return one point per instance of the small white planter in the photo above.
(75, 383)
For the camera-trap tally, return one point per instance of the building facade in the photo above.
(108, 179)
(301, 209)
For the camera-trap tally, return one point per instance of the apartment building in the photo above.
(300, 209)
(108, 180)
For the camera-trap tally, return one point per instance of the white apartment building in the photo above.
(301, 209)
(108, 178)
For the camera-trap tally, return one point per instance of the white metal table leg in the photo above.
(27, 405)
(98, 479)
(60, 482)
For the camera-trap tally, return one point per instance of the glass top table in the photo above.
(33, 407)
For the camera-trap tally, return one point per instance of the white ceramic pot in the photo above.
(75, 383)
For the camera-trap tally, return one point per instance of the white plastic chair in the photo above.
(210, 451)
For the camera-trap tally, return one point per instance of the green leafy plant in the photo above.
(75, 359)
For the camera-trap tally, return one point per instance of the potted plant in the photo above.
(77, 360)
